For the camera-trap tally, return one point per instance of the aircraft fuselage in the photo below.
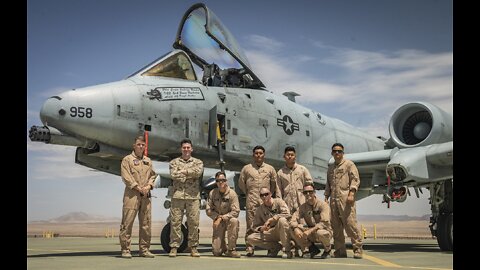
(170, 109)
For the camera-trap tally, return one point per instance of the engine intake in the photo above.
(419, 124)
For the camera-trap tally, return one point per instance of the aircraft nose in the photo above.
(51, 111)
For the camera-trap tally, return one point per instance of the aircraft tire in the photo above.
(165, 238)
(445, 232)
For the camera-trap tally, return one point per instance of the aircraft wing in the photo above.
(409, 167)
(371, 167)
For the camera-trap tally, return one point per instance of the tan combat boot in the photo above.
(173, 253)
(194, 252)
(233, 253)
(147, 254)
(126, 254)
(357, 254)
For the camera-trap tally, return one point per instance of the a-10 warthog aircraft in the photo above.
(227, 110)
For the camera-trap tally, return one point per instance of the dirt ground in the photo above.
(384, 229)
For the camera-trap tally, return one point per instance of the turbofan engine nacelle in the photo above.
(419, 124)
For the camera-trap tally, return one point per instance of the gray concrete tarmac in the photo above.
(104, 253)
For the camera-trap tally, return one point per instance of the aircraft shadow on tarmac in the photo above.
(202, 248)
(78, 254)
(207, 250)
(401, 247)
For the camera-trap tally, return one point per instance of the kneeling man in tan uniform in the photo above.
(223, 207)
(310, 224)
(270, 225)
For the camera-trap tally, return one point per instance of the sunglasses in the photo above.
(308, 192)
(220, 180)
(264, 194)
(337, 151)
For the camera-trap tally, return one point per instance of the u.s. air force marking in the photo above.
(288, 125)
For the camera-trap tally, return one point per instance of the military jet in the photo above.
(227, 110)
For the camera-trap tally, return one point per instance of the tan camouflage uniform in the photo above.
(224, 204)
(309, 216)
(291, 182)
(341, 179)
(279, 227)
(252, 178)
(136, 171)
(186, 196)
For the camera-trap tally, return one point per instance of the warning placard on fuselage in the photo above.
(176, 93)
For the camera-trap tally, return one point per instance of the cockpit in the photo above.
(175, 66)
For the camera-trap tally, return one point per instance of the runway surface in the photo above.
(104, 253)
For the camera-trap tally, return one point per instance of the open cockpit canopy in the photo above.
(211, 46)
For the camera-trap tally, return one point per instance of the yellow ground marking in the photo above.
(380, 261)
(393, 265)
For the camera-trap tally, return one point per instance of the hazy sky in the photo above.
(353, 60)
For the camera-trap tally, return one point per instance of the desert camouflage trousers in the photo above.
(192, 208)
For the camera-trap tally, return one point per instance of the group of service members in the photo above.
(283, 212)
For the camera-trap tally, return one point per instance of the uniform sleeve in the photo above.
(274, 182)
(327, 185)
(354, 177)
(196, 170)
(257, 220)
(324, 217)
(127, 177)
(294, 221)
(280, 184)
(307, 176)
(324, 212)
(234, 206)
(284, 211)
(152, 177)
(242, 181)
(210, 210)
(175, 172)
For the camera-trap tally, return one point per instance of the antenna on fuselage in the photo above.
(291, 95)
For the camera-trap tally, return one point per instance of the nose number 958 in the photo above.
(81, 112)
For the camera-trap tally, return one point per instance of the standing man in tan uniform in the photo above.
(186, 172)
(254, 176)
(291, 179)
(223, 207)
(138, 175)
(270, 225)
(342, 184)
(310, 224)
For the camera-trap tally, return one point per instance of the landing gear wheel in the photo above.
(165, 238)
(445, 232)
